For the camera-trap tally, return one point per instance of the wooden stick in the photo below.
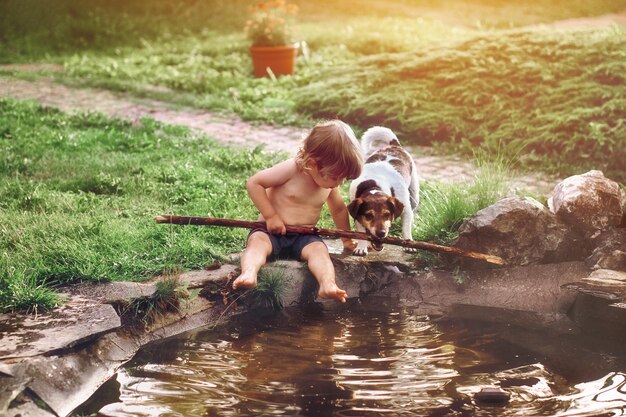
(312, 230)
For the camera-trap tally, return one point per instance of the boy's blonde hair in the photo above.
(334, 148)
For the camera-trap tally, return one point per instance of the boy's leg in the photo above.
(317, 257)
(255, 255)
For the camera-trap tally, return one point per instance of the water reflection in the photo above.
(604, 396)
(350, 363)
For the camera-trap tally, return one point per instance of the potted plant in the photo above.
(269, 29)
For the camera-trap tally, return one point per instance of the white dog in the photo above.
(387, 188)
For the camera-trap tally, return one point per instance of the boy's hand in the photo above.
(275, 225)
(349, 245)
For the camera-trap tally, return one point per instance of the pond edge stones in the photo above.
(584, 212)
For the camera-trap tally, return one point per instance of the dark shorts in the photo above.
(288, 246)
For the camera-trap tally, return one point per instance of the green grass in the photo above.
(269, 292)
(22, 292)
(456, 74)
(145, 310)
(78, 196)
(79, 193)
(556, 100)
(443, 207)
(31, 29)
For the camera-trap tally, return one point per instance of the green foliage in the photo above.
(443, 207)
(555, 94)
(36, 28)
(166, 299)
(78, 195)
(269, 292)
(558, 96)
(19, 291)
(270, 22)
(214, 69)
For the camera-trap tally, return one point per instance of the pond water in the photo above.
(357, 361)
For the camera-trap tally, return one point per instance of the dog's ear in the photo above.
(397, 206)
(353, 207)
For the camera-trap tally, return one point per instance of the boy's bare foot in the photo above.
(332, 291)
(245, 280)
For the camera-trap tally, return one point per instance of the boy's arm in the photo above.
(262, 180)
(339, 213)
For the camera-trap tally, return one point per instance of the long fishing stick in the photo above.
(311, 230)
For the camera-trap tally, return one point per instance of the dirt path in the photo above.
(226, 129)
(229, 130)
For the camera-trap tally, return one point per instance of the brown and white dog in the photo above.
(388, 188)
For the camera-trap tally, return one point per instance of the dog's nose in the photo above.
(380, 234)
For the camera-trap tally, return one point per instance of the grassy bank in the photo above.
(460, 75)
(556, 99)
(30, 29)
(79, 193)
(456, 74)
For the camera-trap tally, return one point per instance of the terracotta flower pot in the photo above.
(280, 59)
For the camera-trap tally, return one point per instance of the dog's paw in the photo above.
(361, 248)
(360, 252)
(410, 250)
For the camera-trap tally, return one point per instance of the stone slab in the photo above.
(600, 304)
(109, 292)
(609, 278)
(77, 321)
(65, 381)
(535, 288)
(28, 409)
(85, 316)
(203, 277)
(603, 283)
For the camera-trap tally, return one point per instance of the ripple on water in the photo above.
(349, 364)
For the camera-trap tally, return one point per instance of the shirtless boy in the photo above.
(293, 193)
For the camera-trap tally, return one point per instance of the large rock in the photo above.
(610, 250)
(589, 202)
(521, 231)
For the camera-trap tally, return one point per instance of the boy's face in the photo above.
(325, 179)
